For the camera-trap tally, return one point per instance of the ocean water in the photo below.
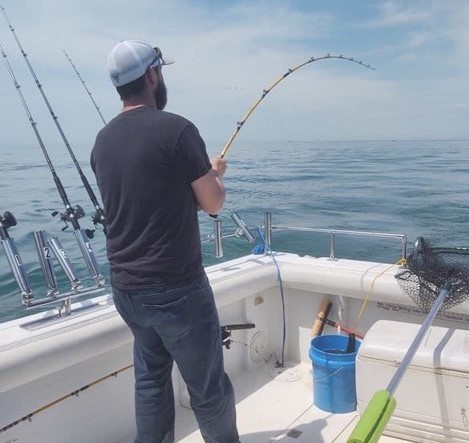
(416, 188)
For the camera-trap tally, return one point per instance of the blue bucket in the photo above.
(333, 373)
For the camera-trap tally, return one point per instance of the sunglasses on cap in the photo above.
(158, 60)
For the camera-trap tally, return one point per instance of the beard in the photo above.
(161, 95)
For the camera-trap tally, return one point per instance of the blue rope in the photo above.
(260, 249)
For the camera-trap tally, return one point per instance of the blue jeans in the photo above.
(178, 323)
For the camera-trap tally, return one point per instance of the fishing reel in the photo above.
(98, 217)
(71, 215)
(7, 220)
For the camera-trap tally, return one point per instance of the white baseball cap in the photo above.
(130, 59)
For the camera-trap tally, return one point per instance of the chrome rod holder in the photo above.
(7, 220)
(242, 226)
(267, 231)
(65, 298)
(332, 246)
(64, 261)
(45, 260)
(17, 268)
(89, 256)
(217, 234)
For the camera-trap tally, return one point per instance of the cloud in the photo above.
(395, 13)
(247, 45)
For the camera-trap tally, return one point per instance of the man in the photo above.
(153, 174)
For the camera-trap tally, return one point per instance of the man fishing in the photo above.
(153, 174)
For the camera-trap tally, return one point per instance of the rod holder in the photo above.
(17, 268)
(267, 231)
(89, 256)
(243, 228)
(64, 261)
(45, 260)
(13, 257)
(217, 226)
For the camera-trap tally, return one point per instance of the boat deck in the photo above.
(277, 405)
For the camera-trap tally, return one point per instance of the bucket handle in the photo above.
(327, 376)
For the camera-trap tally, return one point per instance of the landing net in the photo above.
(430, 269)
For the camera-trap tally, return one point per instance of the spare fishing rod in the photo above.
(99, 216)
(240, 124)
(86, 88)
(71, 214)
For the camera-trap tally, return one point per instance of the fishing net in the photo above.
(431, 269)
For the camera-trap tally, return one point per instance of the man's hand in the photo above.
(219, 166)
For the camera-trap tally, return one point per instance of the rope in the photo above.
(263, 247)
(401, 262)
(75, 393)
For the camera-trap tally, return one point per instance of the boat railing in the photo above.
(268, 227)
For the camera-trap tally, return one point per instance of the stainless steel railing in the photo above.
(269, 227)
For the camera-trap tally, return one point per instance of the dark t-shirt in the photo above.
(145, 161)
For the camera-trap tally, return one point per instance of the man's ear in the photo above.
(151, 76)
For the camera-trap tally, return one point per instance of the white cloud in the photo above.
(226, 56)
(394, 13)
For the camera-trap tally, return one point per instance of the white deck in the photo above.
(277, 405)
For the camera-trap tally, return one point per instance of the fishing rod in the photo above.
(266, 91)
(98, 216)
(86, 87)
(71, 214)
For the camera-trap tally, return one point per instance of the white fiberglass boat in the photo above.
(69, 377)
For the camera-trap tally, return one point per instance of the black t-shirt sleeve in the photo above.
(192, 154)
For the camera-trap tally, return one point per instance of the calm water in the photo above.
(410, 187)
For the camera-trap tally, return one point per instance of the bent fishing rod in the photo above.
(86, 87)
(98, 216)
(240, 124)
(71, 214)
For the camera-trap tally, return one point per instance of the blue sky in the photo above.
(227, 52)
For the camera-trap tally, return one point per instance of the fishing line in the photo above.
(98, 216)
(86, 87)
(71, 214)
(274, 84)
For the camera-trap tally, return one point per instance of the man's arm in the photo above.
(209, 190)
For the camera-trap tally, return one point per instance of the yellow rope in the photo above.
(75, 393)
(401, 262)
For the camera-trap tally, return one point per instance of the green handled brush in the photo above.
(375, 418)
(381, 406)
